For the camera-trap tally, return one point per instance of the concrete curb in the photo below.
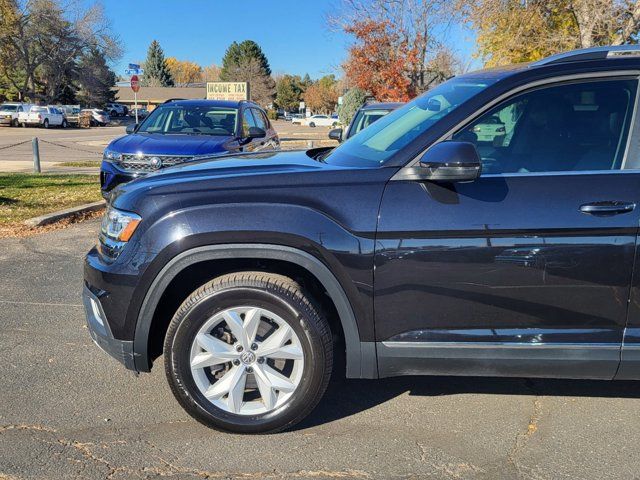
(61, 214)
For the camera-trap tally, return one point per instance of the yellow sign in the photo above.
(228, 91)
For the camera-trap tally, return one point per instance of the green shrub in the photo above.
(351, 102)
(272, 114)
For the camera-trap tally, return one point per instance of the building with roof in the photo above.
(150, 97)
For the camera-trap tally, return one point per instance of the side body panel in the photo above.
(505, 261)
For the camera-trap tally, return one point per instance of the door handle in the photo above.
(607, 208)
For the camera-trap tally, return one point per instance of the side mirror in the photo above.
(448, 162)
(256, 132)
(336, 134)
(132, 128)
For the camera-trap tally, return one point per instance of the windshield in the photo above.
(376, 144)
(364, 118)
(191, 120)
(9, 108)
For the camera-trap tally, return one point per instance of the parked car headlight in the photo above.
(118, 225)
(111, 156)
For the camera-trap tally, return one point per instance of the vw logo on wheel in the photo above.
(155, 162)
(247, 358)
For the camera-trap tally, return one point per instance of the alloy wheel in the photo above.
(246, 360)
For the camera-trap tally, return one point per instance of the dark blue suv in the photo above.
(489, 227)
(180, 131)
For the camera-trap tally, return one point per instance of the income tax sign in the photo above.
(135, 83)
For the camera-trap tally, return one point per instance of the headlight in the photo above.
(111, 156)
(118, 225)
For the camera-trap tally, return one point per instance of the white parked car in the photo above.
(116, 109)
(98, 117)
(9, 113)
(320, 121)
(43, 117)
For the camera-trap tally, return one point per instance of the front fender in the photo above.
(342, 260)
(360, 356)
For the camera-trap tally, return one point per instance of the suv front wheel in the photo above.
(248, 352)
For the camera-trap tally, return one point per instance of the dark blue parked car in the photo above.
(183, 130)
(422, 245)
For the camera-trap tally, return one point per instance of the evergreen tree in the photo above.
(156, 72)
(351, 102)
(241, 53)
(245, 62)
(288, 92)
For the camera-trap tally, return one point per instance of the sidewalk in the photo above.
(26, 166)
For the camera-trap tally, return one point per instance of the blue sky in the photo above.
(292, 33)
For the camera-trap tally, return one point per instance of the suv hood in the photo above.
(159, 144)
(234, 171)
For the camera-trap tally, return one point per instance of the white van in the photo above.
(9, 113)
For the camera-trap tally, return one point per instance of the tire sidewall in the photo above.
(180, 347)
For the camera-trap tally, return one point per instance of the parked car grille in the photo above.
(147, 163)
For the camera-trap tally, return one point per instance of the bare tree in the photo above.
(41, 41)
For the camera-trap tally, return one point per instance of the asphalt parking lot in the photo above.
(68, 411)
(76, 144)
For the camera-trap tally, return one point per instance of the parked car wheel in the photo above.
(65, 124)
(249, 353)
(15, 123)
(45, 124)
(312, 124)
(334, 124)
(113, 113)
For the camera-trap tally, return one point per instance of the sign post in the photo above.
(135, 86)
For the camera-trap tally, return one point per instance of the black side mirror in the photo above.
(132, 128)
(447, 162)
(256, 132)
(336, 134)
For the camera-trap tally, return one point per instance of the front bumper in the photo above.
(121, 350)
(6, 121)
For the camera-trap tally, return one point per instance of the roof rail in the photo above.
(594, 53)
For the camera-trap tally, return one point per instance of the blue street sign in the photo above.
(134, 66)
(134, 71)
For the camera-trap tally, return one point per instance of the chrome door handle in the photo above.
(607, 208)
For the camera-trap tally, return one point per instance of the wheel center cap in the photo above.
(247, 357)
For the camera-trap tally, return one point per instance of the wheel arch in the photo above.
(361, 359)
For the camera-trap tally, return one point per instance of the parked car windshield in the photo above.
(190, 120)
(379, 142)
(9, 108)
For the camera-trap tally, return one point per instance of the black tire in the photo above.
(113, 113)
(311, 124)
(45, 124)
(277, 293)
(15, 123)
(334, 124)
(65, 124)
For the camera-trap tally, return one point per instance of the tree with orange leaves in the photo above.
(380, 60)
(400, 46)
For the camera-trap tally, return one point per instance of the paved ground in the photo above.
(73, 144)
(67, 411)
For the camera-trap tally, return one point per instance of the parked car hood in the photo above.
(158, 144)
